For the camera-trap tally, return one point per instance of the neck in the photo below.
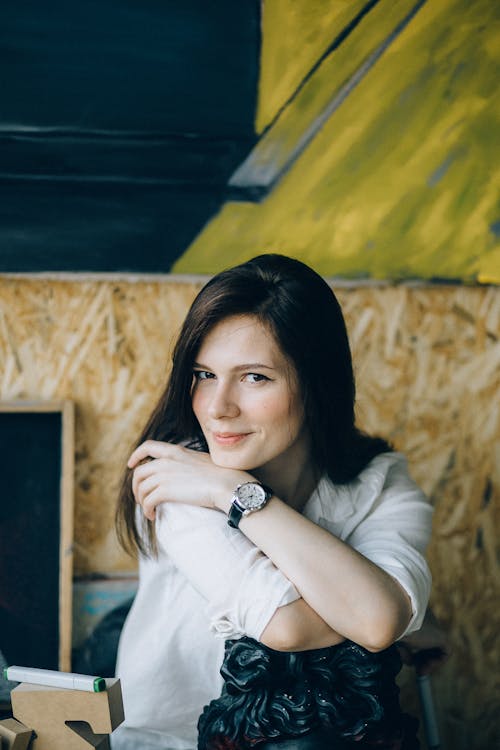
(292, 476)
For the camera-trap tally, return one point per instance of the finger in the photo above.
(140, 454)
(405, 652)
(143, 471)
(149, 449)
(135, 477)
(147, 486)
(150, 514)
(427, 660)
(151, 501)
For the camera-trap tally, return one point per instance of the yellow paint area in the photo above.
(312, 105)
(294, 35)
(402, 179)
(489, 268)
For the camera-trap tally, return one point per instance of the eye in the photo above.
(202, 375)
(254, 377)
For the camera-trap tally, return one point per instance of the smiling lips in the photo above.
(229, 438)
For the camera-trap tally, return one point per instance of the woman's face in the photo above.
(247, 400)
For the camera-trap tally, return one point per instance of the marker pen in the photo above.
(52, 678)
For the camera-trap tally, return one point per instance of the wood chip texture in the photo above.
(427, 362)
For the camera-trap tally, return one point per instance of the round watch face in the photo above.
(251, 495)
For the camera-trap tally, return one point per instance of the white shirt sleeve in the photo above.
(395, 531)
(242, 587)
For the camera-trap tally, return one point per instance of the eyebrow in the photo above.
(246, 366)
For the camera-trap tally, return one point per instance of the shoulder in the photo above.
(385, 473)
(385, 483)
(385, 470)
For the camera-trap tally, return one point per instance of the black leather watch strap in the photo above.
(234, 515)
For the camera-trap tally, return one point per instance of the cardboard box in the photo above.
(66, 719)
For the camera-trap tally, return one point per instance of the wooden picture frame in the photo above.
(38, 437)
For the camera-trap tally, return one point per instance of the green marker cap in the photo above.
(5, 673)
(99, 685)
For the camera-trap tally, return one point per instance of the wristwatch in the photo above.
(247, 498)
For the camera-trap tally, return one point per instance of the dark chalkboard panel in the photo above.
(121, 123)
(130, 66)
(36, 522)
(100, 227)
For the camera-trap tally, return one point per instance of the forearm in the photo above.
(352, 595)
(355, 597)
(297, 627)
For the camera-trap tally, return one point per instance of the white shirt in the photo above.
(210, 583)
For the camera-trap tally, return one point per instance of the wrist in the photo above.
(248, 497)
(223, 498)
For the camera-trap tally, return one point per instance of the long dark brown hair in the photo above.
(304, 316)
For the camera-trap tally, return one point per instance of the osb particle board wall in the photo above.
(427, 361)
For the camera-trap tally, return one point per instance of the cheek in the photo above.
(296, 416)
(285, 413)
(270, 409)
(198, 403)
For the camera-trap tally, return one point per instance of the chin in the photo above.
(227, 461)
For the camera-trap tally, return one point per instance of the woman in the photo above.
(269, 529)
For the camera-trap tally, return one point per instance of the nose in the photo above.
(223, 403)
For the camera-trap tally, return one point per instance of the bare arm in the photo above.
(354, 597)
(297, 627)
(350, 594)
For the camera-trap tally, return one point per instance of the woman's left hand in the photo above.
(426, 649)
(165, 472)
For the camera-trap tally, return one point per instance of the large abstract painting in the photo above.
(358, 136)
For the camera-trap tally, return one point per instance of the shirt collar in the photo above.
(336, 502)
(332, 502)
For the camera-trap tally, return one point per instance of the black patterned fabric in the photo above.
(335, 698)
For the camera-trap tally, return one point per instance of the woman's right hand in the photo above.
(166, 472)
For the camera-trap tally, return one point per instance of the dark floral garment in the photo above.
(338, 697)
